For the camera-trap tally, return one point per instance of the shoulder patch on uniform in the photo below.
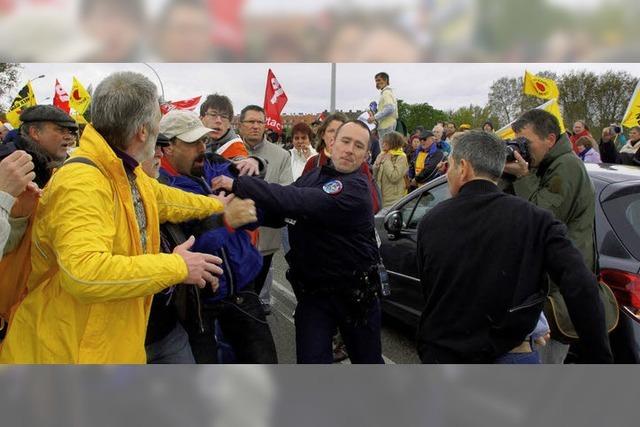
(332, 187)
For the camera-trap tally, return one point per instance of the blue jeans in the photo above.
(174, 348)
(532, 358)
(319, 316)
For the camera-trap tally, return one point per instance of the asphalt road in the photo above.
(397, 340)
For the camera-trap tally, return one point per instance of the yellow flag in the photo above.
(79, 98)
(505, 132)
(539, 86)
(632, 115)
(550, 106)
(79, 118)
(25, 98)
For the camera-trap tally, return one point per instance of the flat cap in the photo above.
(48, 113)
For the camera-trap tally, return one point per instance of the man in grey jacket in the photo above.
(251, 130)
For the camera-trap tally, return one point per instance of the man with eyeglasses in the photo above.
(46, 134)
(252, 131)
(216, 113)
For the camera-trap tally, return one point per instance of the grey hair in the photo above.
(25, 128)
(121, 104)
(483, 150)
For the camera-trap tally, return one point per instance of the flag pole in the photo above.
(332, 108)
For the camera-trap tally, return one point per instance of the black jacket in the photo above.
(41, 162)
(484, 253)
(330, 217)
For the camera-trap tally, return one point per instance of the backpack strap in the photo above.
(82, 160)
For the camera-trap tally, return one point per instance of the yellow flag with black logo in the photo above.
(25, 98)
(80, 98)
(540, 87)
(632, 115)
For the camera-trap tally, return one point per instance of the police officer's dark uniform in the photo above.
(333, 259)
(41, 161)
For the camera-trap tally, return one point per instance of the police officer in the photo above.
(334, 257)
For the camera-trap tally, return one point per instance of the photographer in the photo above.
(560, 184)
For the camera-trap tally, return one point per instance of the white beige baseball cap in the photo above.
(184, 125)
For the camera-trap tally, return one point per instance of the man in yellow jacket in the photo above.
(95, 260)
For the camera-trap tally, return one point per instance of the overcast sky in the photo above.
(308, 86)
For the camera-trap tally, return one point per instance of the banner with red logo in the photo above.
(274, 101)
(186, 104)
(61, 98)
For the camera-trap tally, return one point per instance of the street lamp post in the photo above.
(36, 78)
(332, 108)
(162, 100)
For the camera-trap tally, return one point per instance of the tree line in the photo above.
(584, 95)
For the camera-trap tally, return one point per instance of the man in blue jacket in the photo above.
(234, 305)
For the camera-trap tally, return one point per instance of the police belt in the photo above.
(368, 281)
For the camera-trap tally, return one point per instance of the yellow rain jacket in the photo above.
(91, 284)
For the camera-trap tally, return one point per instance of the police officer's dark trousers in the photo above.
(317, 318)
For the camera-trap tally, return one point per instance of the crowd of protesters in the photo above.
(170, 262)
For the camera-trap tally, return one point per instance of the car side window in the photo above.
(407, 210)
(423, 204)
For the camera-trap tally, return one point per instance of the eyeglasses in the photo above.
(214, 114)
(253, 122)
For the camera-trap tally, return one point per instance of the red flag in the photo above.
(274, 101)
(187, 104)
(61, 98)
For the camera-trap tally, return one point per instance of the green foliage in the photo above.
(474, 115)
(598, 99)
(9, 73)
(507, 100)
(584, 95)
(419, 115)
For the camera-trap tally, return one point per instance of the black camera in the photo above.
(521, 145)
(615, 128)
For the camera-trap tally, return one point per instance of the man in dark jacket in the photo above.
(424, 162)
(330, 218)
(46, 134)
(481, 303)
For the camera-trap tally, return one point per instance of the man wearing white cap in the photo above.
(235, 305)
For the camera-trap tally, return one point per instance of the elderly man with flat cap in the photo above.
(46, 133)
(44, 136)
